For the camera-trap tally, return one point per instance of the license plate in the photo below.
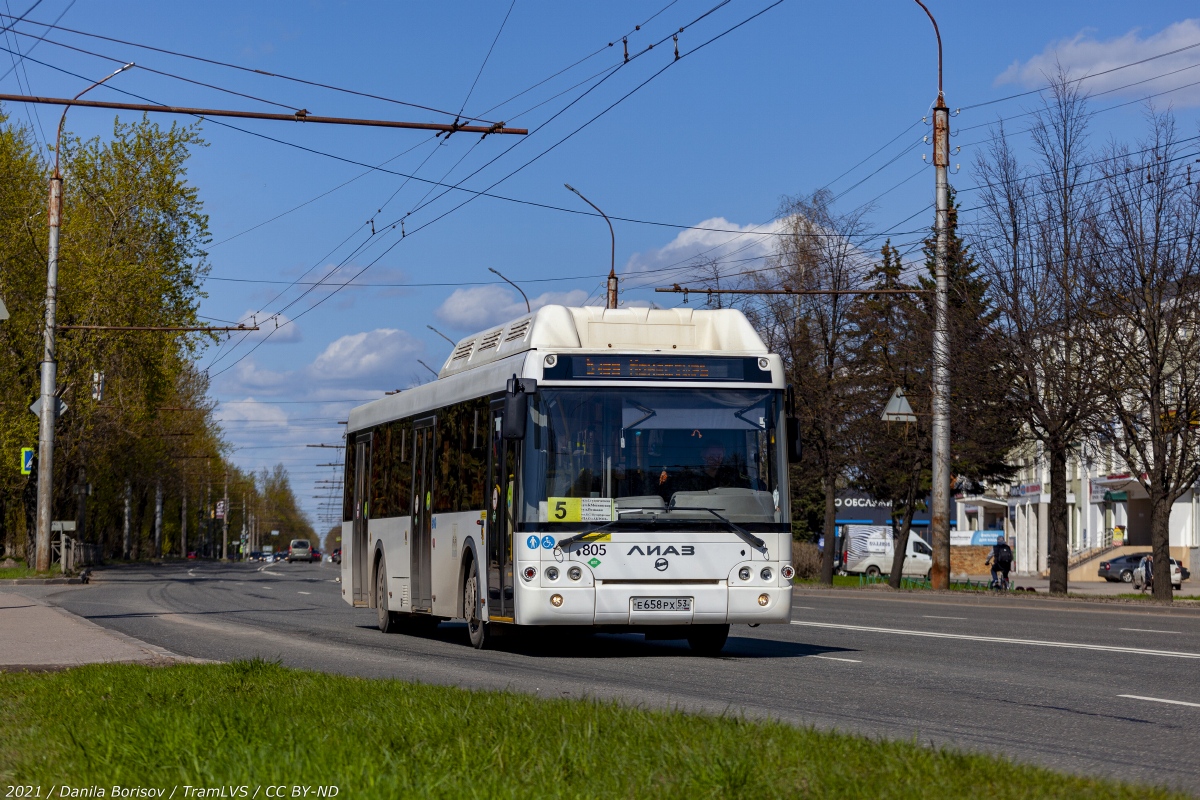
(662, 603)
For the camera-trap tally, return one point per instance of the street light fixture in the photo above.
(49, 411)
(444, 336)
(518, 288)
(612, 268)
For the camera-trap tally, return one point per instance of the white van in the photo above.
(870, 550)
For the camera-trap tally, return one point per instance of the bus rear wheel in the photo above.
(707, 640)
(389, 622)
(476, 628)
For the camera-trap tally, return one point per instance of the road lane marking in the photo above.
(1160, 700)
(303, 592)
(806, 608)
(1001, 640)
(1145, 630)
(831, 658)
(931, 616)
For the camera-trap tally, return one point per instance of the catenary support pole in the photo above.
(225, 521)
(125, 527)
(183, 551)
(49, 366)
(939, 520)
(612, 265)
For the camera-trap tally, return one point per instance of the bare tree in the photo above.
(1149, 321)
(1033, 240)
(814, 332)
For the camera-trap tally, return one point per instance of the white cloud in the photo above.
(248, 376)
(370, 356)
(479, 307)
(1083, 54)
(736, 246)
(260, 414)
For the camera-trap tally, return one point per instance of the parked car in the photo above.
(300, 550)
(1139, 579)
(879, 552)
(336, 556)
(1120, 568)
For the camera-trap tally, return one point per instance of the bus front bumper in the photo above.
(613, 604)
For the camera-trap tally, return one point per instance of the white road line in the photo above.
(1002, 640)
(1145, 630)
(303, 592)
(931, 616)
(1160, 700)
(831, 658)
(806, 608)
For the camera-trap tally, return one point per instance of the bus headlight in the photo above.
(787, 572)
(744, 573)
(765, 574)
(529, 573)
(763, 599)
(574, 573)
(552, 573)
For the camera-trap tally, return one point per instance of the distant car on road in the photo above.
(1120, 568)
(1139, 579)
(336, 556)
(192, 554)
(316, 556)
(300, 550)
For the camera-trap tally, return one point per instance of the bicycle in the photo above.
(1000, 582)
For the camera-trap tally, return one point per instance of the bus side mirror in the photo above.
(516, 407)
(794, 449)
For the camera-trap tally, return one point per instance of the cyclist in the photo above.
(1001, 560)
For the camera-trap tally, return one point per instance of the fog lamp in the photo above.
(763, 599)
(556, 600)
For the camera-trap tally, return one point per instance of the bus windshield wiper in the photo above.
(749, 537)
(570, 540)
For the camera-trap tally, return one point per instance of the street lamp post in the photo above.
(939, 521)
(49, 410)
(518, 288)
(612, 267)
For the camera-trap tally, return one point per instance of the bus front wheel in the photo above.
(707, 640)
(389, 622)
(476, 627)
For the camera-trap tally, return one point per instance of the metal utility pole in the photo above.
(125, 527)
(183, 551)
(49, 410)
(158, 519)
(939, 520)
(612, 267)
(207, 549)
(225, 521)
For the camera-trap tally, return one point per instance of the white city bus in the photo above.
(624, 469)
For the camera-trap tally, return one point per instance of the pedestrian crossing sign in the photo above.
(26, 460)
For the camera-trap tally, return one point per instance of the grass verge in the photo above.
(24, 571)
(259, 724)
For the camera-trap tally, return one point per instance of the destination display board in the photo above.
(656, 368)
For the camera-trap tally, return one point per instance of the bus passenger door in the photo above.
(501, 469)
(362, 563)
(422, 499)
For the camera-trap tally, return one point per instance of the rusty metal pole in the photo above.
(939, 520)
(49, 411)
(225, 521)
(612, 264)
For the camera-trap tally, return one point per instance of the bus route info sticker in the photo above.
(576, 509)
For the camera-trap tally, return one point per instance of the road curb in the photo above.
(40, 581)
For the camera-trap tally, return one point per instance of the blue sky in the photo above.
(805, 95)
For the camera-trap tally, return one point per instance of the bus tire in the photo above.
(477, 629)
(707, 640)
(389, 621)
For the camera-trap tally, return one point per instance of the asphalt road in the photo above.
(1040, 682)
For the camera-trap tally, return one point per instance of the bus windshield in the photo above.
(629, 454)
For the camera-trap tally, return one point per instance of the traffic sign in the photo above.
(220, 509)
(26, 460)
(60, 408)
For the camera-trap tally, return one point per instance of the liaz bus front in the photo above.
(653, 492)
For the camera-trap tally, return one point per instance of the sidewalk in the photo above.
(37, 636)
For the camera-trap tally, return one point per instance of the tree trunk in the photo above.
(1160, 545)
(125, 543)
(901, 546)
(1057, 535)
(827, 552)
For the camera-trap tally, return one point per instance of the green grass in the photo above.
(23, 571)
(257, 724)
(1148, 596)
